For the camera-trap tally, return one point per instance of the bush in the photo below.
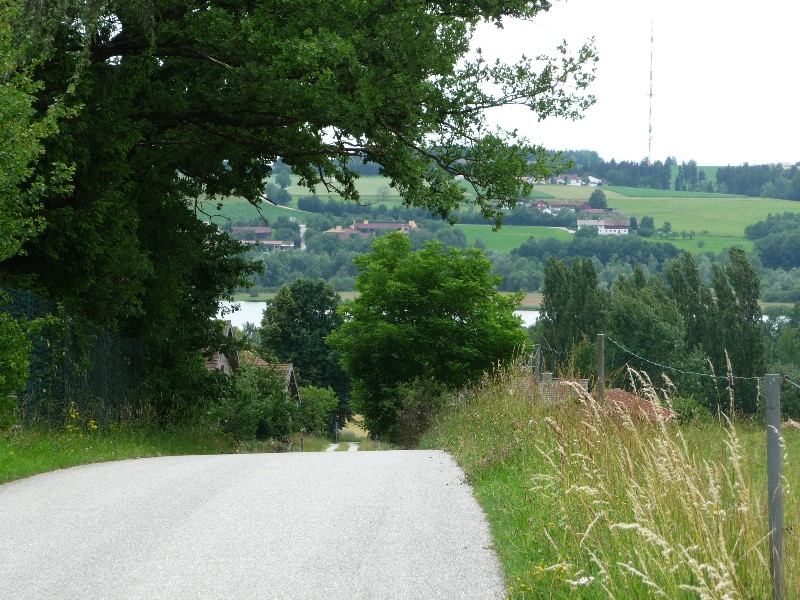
(15, 348)
(419, 401)
(256, 405)
(318, 409)
(689, 409)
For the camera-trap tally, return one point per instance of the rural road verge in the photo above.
(356, 525)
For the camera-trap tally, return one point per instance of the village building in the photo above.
(252, 233)
(607, 226)
(286, 370)
(366, 229)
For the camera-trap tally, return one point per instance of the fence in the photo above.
(73, 361)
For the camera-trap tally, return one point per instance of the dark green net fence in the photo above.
(73, 361)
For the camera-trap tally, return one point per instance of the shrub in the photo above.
(256, 405)
(420, 402)
(318, 409)
(689, 409)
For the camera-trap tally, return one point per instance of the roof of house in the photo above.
(388, 226)
(262, 230)
(249, 358)
(339, 229)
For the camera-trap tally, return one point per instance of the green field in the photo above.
(235, 211)
(724, 217)
(633, 192)
(509, 236)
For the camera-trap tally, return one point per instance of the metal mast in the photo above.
(650, 127)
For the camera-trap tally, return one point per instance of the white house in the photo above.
(607, 226)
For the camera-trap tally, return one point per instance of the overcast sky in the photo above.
(726, 88)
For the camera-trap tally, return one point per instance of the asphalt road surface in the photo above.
(333, 525)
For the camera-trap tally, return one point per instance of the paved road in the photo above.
(348, 525)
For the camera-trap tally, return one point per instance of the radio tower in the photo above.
(650, 127)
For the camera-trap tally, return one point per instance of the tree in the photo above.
(432, 316)
(190, 104)
(571, 305)
(294, 327)
(598, 199)
(737, 287)
(283, 179)
(646, 227)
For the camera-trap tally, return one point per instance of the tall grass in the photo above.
(588, 500)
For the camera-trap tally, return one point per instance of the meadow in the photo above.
(586, 500)
(509, 237)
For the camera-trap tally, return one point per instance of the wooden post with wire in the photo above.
(774, 484)
(600, 381)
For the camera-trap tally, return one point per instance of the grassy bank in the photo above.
(584, 501)
(27, 452)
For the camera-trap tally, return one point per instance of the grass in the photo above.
(718, 220)
(509, 236)
(650, 193)
(585, 501)
(27, 452)
(30, 451)
(235, 210)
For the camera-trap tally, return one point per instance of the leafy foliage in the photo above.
(319, 409)
(686, 326)
(429, 315)
(294, 327)
(256, 405)
(598, 199)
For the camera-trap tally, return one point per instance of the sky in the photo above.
(725, 84)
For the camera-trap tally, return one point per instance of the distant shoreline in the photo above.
(531, 301)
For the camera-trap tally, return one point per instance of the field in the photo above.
(509, 236)
(236, 211)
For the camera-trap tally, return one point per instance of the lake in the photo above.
(251, 312)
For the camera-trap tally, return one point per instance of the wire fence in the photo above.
(716, 378)
(72, 361)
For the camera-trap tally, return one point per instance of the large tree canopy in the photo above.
(319, 83)
(170, 102)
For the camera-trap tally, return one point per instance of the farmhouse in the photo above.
(219, 361)
(253, 233)
(569, 205)
(607, 226)
(366, 228)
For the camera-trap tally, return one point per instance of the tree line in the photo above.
(707, 333)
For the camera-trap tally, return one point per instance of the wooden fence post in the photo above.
(774, 484)
(600, 381)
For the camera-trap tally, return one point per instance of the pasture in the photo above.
(509, 237)
(238, 211)
(719, 217)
